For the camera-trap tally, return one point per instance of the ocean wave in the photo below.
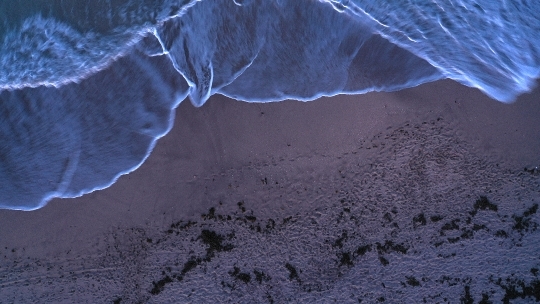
(72, 140)
(491, 45)
(52, 43)
(88, 87)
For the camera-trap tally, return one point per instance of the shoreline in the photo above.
(328, 125)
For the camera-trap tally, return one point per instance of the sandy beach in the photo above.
(427, 194)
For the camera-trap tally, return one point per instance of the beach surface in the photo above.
(429, 193)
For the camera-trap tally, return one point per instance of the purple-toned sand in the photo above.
(428, 194)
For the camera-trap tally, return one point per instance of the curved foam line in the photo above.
(410, 84)
(170, 124)
(233, 78)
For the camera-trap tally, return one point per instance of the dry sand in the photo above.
(404, 196)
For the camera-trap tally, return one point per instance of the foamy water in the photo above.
(88, 88)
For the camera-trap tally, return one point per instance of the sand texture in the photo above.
(428, 194)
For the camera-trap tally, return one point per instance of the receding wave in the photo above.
(80, 137)
(88, 87)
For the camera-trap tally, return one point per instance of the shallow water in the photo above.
(88, 88)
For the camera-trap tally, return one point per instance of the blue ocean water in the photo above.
(87, 87)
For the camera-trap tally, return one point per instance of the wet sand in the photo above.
(418, 193)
